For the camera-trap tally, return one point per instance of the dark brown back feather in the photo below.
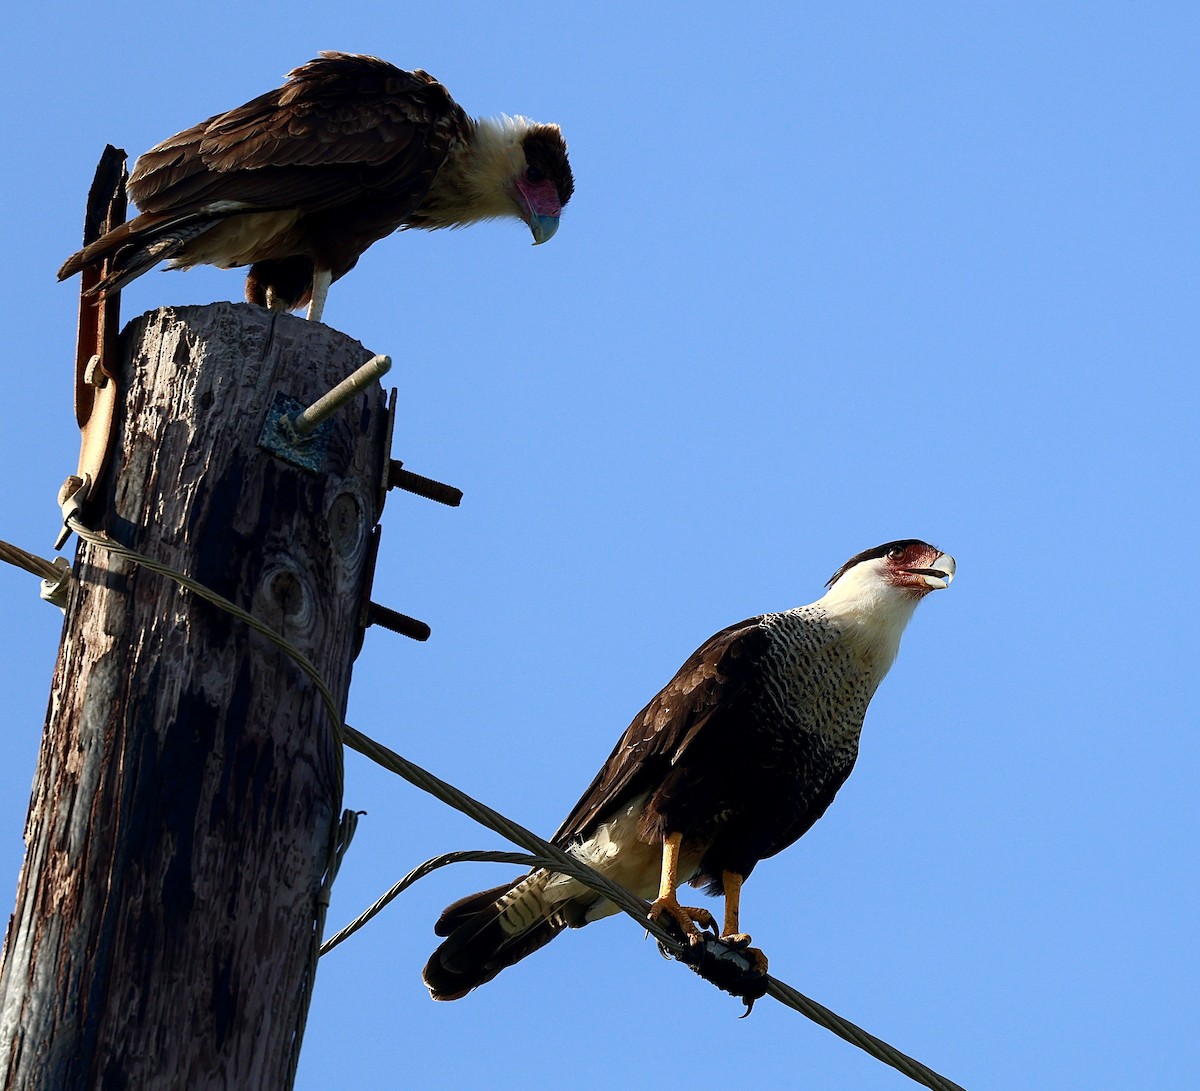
(710, 680)
(345, 127)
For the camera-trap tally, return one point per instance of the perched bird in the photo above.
(300, 181)
(733, 760)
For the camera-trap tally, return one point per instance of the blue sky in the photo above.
(834, 274)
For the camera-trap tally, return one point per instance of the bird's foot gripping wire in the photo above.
(684, 917)
(741, 942)
(730, 963)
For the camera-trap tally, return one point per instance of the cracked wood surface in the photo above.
(188, 783)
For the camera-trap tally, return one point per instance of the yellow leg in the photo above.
(732, 882)
(667, 901)
(670, 866)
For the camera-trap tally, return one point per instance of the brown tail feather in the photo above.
(459, 912)
(136, 247)
(451, 977)
(135, 232)
(479, 944)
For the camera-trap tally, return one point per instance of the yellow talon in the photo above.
(686, 916)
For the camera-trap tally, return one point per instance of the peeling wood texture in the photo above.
(188, 782)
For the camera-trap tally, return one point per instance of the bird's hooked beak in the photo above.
(939, 574)
(540, 208)
(543, 228)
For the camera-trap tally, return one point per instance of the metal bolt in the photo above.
(328, 404)
(397, 622)
(400, 478)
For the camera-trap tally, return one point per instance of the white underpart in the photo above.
(238, 240)
(616, 852)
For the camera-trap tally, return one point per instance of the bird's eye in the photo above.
(535, 175)
(895, 553)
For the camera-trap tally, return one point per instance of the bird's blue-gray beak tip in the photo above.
(543, 228)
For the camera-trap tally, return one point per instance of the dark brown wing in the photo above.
(712, 679)
(344, 127)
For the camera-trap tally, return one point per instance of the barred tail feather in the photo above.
(489, 931)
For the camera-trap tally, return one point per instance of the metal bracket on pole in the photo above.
(96, 389)
(71, 498)
(54, 591)
(299, 434)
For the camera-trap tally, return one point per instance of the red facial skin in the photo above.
(539, 198)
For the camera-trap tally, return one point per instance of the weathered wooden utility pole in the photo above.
(189, 782)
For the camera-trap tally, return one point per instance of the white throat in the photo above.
(476, 182)
(871, 612)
